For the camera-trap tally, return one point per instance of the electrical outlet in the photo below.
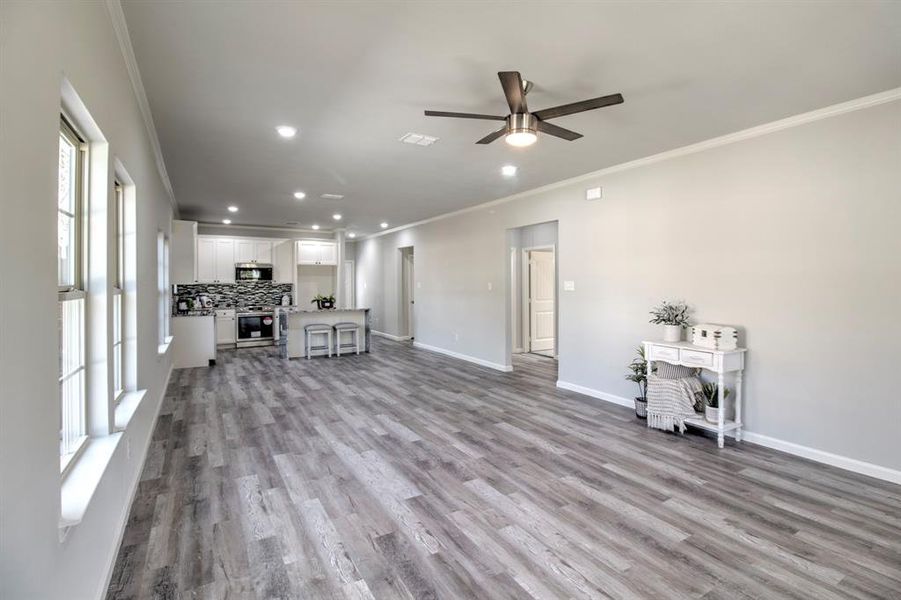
(593, 193)
(456, 337)
(490, 286)
(569, 286)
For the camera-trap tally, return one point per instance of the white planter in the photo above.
(672, 333)
(712, 414)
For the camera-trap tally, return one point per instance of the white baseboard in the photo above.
(123, 519)
(466, 357)
(518, 351)
(565, 385)
(396, 338)
(820, 456)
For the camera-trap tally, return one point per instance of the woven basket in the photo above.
(641, 408)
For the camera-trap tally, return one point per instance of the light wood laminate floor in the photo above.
(408, 474)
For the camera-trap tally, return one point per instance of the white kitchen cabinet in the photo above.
(225, 261)
(262, 252)
(244, 251)
(310, 252)
(206, 259)
(225, 326)
(195, 342)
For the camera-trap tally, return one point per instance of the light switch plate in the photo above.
(569, 286)
(594, 193)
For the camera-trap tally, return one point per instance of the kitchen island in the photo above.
(289, 335)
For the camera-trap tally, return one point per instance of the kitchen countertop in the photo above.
(206, 312)
(297, 309)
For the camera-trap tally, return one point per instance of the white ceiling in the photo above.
(355, 76)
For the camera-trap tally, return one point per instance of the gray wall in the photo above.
(792, 235)
(41, 43)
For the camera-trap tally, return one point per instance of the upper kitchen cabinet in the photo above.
(215, 260)
(317, 252)
(253, 251)
(183, 252)
(283, 261)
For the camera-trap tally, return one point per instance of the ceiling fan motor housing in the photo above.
(522, 123)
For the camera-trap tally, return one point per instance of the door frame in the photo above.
(526, 312)
(406, 294)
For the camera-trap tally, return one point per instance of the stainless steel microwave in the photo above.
(253, 272)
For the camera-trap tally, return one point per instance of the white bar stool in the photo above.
(351, 328)
(317, 329)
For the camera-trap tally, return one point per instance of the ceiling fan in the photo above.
(521, 127)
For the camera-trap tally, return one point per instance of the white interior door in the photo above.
(541, 300)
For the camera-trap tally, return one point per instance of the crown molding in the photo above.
(269, 228)
(121, 28)
(724, 140)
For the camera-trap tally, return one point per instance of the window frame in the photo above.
(74, 292)
(81, 150)
(117, 364)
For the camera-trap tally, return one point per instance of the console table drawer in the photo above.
(664, 353)
(695, 357)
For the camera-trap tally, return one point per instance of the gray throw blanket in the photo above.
(671, 401)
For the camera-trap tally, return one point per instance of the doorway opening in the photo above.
(406, 318)
(532, 307)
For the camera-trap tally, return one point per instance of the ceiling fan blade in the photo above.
(577, 107)
(457, 115)
(559, 132)
(512, 83)
(493, 136)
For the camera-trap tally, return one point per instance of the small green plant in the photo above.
(670, 313)
(638, 372)
(712, 394)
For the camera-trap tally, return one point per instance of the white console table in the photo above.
(717, 361)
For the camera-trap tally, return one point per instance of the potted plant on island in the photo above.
(712, 406)
(639, 374)
(323, 302)
(673, 316)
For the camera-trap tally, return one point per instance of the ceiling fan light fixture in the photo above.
(522, 130)
(521, 138)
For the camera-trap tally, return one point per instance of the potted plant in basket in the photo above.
(323, 302)
(673, 316)
(638, 372)
(712, 406)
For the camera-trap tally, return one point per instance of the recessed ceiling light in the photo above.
(383, 225)
(232, 209)
(351, 235)
(226, 221)
(286, 131)
(315, 226)
(508, 170)
(336, 217)
(331, 196)
(300, 195)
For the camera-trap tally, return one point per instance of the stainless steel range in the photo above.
(255, 326)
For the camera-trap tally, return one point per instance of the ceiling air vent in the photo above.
(331, 196)
(418, 139)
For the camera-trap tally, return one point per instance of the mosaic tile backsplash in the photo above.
(228, 295)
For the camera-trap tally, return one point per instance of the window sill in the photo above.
(163, 348)
(125, 410)
(81, 481)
